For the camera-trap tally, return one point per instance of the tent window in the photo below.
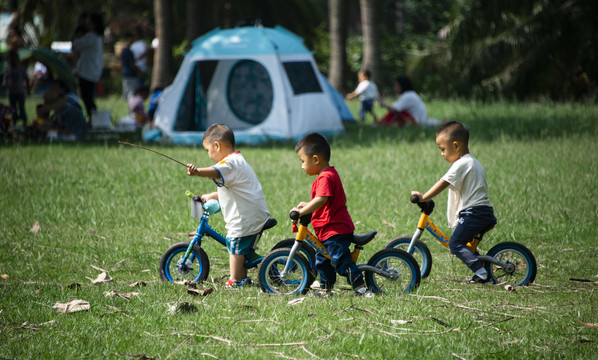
(192, 112)
(249, 91)
(302, 77)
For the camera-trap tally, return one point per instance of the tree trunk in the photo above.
(193, 24)
(338, 41)
(371, 43)
(163, 61)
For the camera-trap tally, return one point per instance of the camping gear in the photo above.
(261, 82)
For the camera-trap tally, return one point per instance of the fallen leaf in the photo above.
(71, 306)
(98, 268)
(295, 301)
(399, 322)
(509, 287)
(35, 228)
(138, 283)
(384, 222)
(204, 292)
(102, 278)
(4, 276)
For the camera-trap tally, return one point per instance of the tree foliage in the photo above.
(519, 49)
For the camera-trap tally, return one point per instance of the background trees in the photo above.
(490, 49)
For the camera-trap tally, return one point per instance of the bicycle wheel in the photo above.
(296, 281)
(306, 250)
(195, 268)
(420, 253)
(402, 267)
(523, 271)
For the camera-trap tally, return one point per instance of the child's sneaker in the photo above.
(231, 284)
(478, 280)
(365, 292)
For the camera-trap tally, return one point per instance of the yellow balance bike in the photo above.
(506, 263)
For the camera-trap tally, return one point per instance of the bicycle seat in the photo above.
(270, 223)
(480, 235)
(364, 239)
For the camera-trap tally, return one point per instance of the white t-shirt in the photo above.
(467, 188)
(241, 197)
(367, 90)
(411, 102)
(139, 48)
(89, 63)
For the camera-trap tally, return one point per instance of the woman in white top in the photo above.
(89, 60)
(409, 107)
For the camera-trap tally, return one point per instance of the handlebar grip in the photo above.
(414, 198)
(294, 215)
(194, 197)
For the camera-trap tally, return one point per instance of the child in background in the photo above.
(136, 108)
(16, 82)
(367, 92)
(330, 218)
(468, 209)
(240, 195)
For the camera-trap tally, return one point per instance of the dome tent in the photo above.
(262, 82)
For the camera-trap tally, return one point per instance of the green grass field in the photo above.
(101, 206)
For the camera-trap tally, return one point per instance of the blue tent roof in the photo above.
(248, 41)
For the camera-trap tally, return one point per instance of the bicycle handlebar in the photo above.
(294, 215)
(414, 198)
(191, 195)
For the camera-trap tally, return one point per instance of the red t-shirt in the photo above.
(332, 218)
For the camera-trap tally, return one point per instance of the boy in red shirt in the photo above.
(330, 218)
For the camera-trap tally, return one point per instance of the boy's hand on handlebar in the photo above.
(416, 197)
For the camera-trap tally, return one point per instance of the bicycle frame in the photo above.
(203, 229)
(426, 223)
(303, 234)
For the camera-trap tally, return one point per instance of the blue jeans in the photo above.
(366, 106)
(340, 262)
(472, 221)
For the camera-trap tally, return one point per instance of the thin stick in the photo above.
(154, 151)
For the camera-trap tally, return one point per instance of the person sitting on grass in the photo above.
(67, 115)
(408, 108)
(136, 108)
(468, 209)
(330, 218)
(240, 195)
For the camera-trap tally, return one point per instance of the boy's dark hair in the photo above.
(366, 72)
(219, 132)
(455, 131)
(405, 83)
(314, 144)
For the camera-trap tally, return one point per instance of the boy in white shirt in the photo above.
(240, 195)
(468, 209)
(367, 92)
